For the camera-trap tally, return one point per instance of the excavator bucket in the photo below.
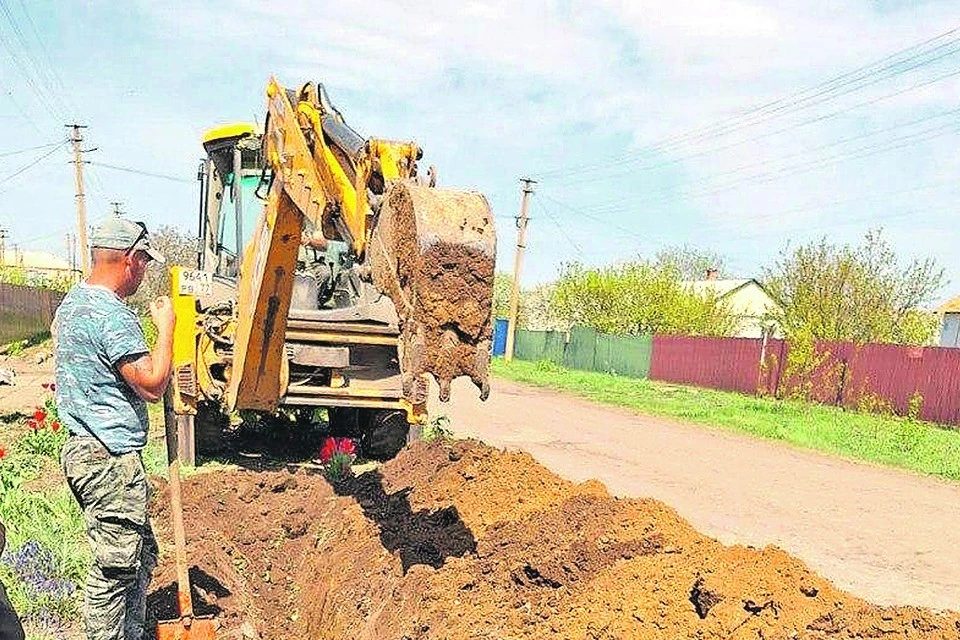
(432, 252)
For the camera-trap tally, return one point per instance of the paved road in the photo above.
(889, 536)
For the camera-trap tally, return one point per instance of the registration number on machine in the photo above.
(195, 283)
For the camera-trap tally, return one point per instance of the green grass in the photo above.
(900, 442)
(37, 508)
(48, 517)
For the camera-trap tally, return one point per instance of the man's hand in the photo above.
(161, 310)
(149, 373)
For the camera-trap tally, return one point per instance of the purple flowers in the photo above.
(36, 568)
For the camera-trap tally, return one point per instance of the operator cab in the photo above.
(229, 200)
(234, 185)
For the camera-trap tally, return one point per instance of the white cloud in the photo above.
(494, 89)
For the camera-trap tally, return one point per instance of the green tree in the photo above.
(863, 293)
(502, 286)
(539, 312)
(638, 298)
(179, 249)
(692, 263)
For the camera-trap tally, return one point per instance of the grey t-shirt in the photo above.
(93, 330)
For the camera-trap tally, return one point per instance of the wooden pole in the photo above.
(81, 202)
(527, 189)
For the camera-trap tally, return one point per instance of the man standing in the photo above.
(105, 375)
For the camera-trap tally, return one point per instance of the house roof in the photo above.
(950, 306)
(720, 288)
(748, 296)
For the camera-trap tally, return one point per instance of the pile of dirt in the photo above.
(458, 540)
(433, 253)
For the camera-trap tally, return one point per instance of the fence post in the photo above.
(763, 357)
(843, 382)
(776, 386)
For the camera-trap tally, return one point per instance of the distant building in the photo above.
(747, 298)
(38, 265)
(950, 323)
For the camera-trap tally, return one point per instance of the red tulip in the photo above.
(345, 445)
(3, 452)
(32, 424)
(328, 450)
(39, 415)
(55, 426)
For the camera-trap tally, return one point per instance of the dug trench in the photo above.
(455, 539)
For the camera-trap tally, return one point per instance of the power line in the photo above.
(557, 224)
(711, 130)
(140, 172)
(60, 231)
(97, 185)
(19, 151)
(25, 72)
(827, 88)
(845, 222)
(836, 143)
(31, 164)
(40, 72)
(586, 214)
(40, 171)
(765, 177)
(833, 203)
(873, 81)
(16, 104)
(52, 68)
(762, 136)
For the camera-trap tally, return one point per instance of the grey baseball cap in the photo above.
(124, 235)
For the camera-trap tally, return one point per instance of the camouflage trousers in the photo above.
(113, 491)
(10, 628)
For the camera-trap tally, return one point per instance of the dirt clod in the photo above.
(413, 549)
(703, 599)
(432, 252)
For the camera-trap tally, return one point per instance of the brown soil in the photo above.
(433, 253)
(459, 540)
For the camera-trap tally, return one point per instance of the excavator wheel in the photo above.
(210, 425)
(384, 433)
(344, 422)
(380, 433)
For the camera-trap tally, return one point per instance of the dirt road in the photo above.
(889, 536)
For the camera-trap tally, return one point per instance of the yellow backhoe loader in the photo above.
(331, 273)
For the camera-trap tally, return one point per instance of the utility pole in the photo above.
(3, 242)
(527, 189)
(81, 203)
(117, 208)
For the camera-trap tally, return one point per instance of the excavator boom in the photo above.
(431, 251)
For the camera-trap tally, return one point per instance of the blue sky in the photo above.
(597, 100)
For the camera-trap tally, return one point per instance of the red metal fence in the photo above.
(731, 364)
(922, 380)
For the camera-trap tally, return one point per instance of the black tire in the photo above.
(344, 422)
(383, 433)
(210, 426)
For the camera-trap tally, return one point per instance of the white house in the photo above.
(747, 298)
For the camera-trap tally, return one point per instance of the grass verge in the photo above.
(900, 442)
(46, 558)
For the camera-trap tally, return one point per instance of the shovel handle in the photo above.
(176, 507)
